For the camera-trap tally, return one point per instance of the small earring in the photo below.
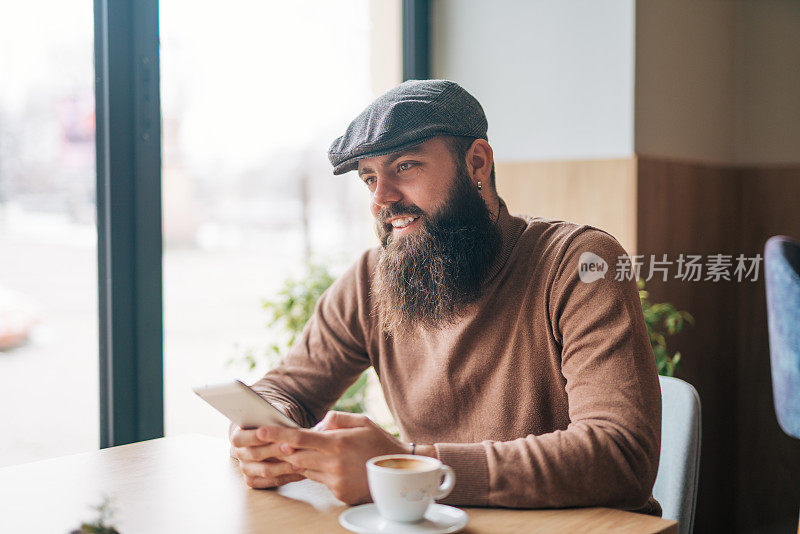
(479, 185)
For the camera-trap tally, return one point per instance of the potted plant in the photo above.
(662, 320)
(101, 525)
(288, 314)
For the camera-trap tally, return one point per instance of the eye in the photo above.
(405, 166)
(369, 180)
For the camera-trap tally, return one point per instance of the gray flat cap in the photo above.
(405, 116)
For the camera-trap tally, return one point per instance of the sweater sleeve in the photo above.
(608, 454)
(329, 355)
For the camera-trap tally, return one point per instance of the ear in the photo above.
(479, 161)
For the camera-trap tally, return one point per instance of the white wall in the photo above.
(555, 78)
(715, 80)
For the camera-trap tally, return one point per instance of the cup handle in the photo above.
(447, 485)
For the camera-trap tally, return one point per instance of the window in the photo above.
(252, 96)
(48, 236)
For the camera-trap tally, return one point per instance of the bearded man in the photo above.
(537, 386)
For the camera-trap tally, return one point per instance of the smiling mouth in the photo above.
(403, 222)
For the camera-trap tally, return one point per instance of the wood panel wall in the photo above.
(750, 470)
(599, 192)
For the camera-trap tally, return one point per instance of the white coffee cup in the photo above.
(404, 485)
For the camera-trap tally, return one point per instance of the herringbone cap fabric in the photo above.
(405, 116)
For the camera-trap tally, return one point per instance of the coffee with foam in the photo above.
(405, 463)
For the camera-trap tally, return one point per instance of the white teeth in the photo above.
(402, 223)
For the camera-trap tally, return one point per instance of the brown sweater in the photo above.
(544, 394)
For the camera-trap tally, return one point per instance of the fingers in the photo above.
(325, 423)
(231, 429)
(263, 483)
(258, 454)
(318, 476)
(267, 470)
(313, 460)
(334, 420)
(286, 449)
(297, 438)
(341, 489)
(246, 438)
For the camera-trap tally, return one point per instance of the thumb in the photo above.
(334, 420)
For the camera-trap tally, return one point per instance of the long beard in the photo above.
(428, 278)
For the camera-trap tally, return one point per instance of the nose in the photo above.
(385, 192)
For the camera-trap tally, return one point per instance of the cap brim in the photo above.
(351, 164)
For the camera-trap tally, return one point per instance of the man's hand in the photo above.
(259, 460)
(335, 452)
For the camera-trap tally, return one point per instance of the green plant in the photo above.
(101, 524)
(288, 314)
(662, 320)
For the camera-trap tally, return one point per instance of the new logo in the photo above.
(591, 267)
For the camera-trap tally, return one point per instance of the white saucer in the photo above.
(439, 519)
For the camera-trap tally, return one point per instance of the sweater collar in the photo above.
(510, 229)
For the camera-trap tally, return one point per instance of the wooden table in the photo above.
(190, 484)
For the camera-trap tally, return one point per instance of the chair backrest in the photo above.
(679, 463)
(782, 273)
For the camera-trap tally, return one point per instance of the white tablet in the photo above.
(243, 406)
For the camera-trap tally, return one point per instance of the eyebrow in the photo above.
(414, 150)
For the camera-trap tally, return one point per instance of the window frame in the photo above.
(416, 39)
(129, 252)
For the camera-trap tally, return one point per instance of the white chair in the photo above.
(679, 463)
